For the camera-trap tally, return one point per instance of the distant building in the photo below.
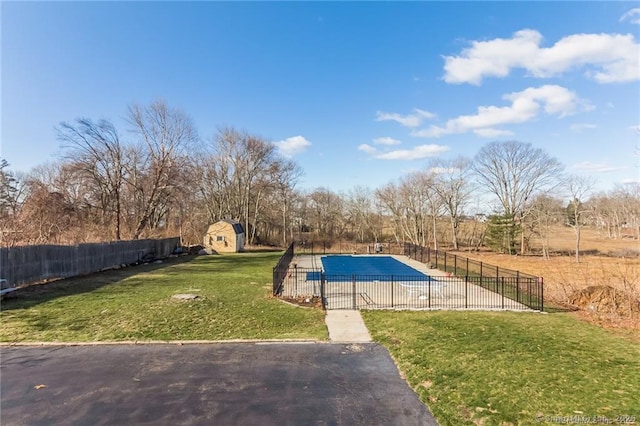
(225, 236)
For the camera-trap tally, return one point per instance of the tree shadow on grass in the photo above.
(35, 294)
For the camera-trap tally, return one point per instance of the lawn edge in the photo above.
(165, 342)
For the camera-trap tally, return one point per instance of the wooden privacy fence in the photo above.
(30, 264)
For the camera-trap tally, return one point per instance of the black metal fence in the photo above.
(281, 268)
(347, 247)
(410, 292)
(459, 265)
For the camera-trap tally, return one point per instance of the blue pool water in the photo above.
(367, 268)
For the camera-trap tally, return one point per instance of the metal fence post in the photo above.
(466, 291)
(429, 291)
(323, 295)
(518, 286)
(354, 291)
(392, 291)
(274, 281)
(541, 283)
(502, 279)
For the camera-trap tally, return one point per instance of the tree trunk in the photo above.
(454, 234)
(435, 232)
(284, 222)
(118, 208)
(577, 229)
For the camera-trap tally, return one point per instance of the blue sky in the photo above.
(357, 93)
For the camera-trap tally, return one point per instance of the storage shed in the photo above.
(225, 236)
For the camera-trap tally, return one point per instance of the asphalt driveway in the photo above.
(214, 384)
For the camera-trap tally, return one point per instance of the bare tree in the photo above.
(388, 197)
(361, 214)
(326, 212)
(578, 188)
(239, 175)
(286, 174)
(453, 186)
(434, 202)
(47, 214)
(406, 203)
(414, 207)
(96, 151)
(628, 196)
(165, 137)
(545, 212)
(515, 172)
(605, 214)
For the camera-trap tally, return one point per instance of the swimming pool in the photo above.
(366, 268)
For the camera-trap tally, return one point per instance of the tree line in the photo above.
(157, 177)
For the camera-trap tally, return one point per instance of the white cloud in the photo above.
(635, 129)
(421, 151)
(633, 16)
(525, 106)
(293, 145)
(579, 127)
(608, 58)
(588, 166)
(386, 141)
(410, 120)
(367, 148)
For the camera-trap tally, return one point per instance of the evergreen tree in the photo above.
(502, 233)
(8, 190)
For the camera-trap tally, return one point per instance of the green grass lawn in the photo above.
(135, 304)
(500, 368)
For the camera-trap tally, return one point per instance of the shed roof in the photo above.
(237, 226)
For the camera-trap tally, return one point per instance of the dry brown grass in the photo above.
(563, 240)
(565, 279)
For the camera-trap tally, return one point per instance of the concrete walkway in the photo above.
(346, 326)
